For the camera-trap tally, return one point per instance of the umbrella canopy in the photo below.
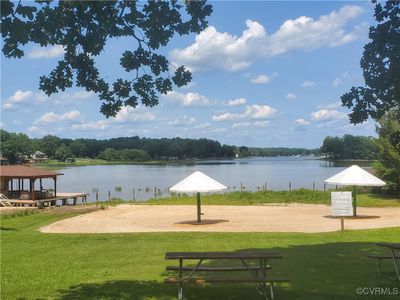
(355, 175)
(195, 183)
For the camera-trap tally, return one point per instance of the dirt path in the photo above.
(216, 218)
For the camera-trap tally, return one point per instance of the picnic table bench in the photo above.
(255, 272)
(392, 256)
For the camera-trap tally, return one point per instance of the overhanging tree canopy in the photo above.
(83, 28)
(381, 67)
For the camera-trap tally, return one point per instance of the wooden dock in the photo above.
(64, 198)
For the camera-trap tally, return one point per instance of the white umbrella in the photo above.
(355, 176)
(197, 182)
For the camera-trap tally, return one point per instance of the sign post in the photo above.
(341, 206)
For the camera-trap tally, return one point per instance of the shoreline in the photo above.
(193, 161)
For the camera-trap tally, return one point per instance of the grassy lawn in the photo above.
(131, 266)
(266, 197)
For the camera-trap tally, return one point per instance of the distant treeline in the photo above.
(17, 147)
(350, 147)
(283, 151)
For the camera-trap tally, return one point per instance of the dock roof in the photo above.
(26, 172)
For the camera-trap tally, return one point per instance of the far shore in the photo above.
(192, 161)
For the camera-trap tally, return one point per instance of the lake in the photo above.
(145, 181)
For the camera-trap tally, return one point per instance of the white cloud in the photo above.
(51, 117)
(261, 79)
(183, 121)
(221, 50)
(71, 115)
(71, 98)
(241, 125)
(291, 96)
(337, 82)
(46, 52)
(213, 49)
(2, 125)
(308, 83)
(254, 111)
(33, 98)
(238, 101)
(327, 115)
(219, 130)
(302, 122)
(188, 99)
(305, 33)
(7, 106)
(202, 126)
(128, 113)
(334, 105)
(18, 97)
(226, 117)
(99, 125)
(250, 124)
(259, 111)
(261, 123)
(33, 129)
(345, 76)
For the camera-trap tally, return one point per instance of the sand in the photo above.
(218, 218)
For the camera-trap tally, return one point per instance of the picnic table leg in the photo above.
(180, 290)
(396, 267)
(263, 267)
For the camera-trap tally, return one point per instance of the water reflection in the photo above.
(142, 182)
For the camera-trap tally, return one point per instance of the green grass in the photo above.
(269, 197)
(131, 266)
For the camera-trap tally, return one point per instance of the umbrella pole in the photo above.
(354, 201)
(198, 208)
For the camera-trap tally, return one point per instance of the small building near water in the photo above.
(33, 186)
(18, 182)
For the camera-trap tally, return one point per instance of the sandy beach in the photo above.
(217, 218)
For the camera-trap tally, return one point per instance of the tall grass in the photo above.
(275, 197)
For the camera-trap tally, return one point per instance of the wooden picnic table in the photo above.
(258, 272)
(393, 248)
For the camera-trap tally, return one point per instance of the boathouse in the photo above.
(25, 185)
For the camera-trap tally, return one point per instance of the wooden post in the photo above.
(241, 186)
(32, 188)
(109, 198)
(133, 195)
(324, 187)
(198, 208)
(155, 192)
(97, 198)
(354, 201)
(55, 186)
(313, 186)
(341, 223)
(290, 186)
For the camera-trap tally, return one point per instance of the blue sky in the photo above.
(265, 74)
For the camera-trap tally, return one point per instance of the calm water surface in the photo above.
(251, 173)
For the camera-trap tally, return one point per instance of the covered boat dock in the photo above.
(24, 185)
